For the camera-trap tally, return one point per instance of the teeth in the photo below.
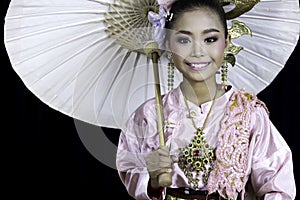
(198, 65)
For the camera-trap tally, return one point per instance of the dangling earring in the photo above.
(170, 72)
(224, 72)
(228, 58)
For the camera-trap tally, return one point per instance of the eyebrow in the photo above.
(204, 32)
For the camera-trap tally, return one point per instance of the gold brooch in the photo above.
(196, 157)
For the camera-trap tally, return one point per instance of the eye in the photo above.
(183, 40)
(210, 39)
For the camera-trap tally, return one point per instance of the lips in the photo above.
(198, 66)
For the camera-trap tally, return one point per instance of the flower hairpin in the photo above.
(158, 21)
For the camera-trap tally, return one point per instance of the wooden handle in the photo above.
(152, 51)
(164, 179)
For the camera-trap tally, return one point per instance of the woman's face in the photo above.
(198, 43)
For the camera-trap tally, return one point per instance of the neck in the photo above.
(199, 92)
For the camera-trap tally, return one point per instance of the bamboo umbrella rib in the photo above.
(121, 66)
(95, 78)
(43, 14)
(270, 38)
(60, 44)
(47, 30)
(64, 61)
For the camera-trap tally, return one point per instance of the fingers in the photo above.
(159, 162)
(159, 159)
(156, 161)
(164, 156)
(174, 158)
(164, 150)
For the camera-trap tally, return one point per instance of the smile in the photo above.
(198, 66)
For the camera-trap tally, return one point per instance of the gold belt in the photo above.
(169, 197)
(189, 194)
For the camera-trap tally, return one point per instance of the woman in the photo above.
(220, 143)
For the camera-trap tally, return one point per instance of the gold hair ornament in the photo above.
(241, 7)
(237, 30)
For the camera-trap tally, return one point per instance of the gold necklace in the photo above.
(197, 156)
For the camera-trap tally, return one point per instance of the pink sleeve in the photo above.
(135, 143)
(272, 167)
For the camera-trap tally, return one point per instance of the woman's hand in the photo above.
(158, 162)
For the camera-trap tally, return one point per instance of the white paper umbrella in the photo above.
(63, 52)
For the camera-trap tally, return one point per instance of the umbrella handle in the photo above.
(159, 110)
(164, 179)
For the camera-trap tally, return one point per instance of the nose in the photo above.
(197, 49)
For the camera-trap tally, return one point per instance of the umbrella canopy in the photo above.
(67, 54)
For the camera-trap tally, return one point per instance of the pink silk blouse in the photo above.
(269, 171)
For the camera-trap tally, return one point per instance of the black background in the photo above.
(44, 158)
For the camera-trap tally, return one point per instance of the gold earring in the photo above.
(228, 58)
(170, 72)
(224, 73)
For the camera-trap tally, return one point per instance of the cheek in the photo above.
(218, 50)
(181, 51)
(177, 59)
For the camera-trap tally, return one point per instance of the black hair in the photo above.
(181, 6)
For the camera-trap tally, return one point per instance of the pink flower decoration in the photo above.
(158, 21)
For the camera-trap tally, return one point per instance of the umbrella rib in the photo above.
(251, 73)
(124, 42)
(272, 39)
(123, 6)
(124, 59)
(120, 28)
(120, 16)
(55, 13)
(69, 84)
(135, 20)
(52, 29)
(263, 57)
(100, 1)
(69, 58)
(92, 82)
(137, 58)
(59, 44)
(270, 18)
(116, 32)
